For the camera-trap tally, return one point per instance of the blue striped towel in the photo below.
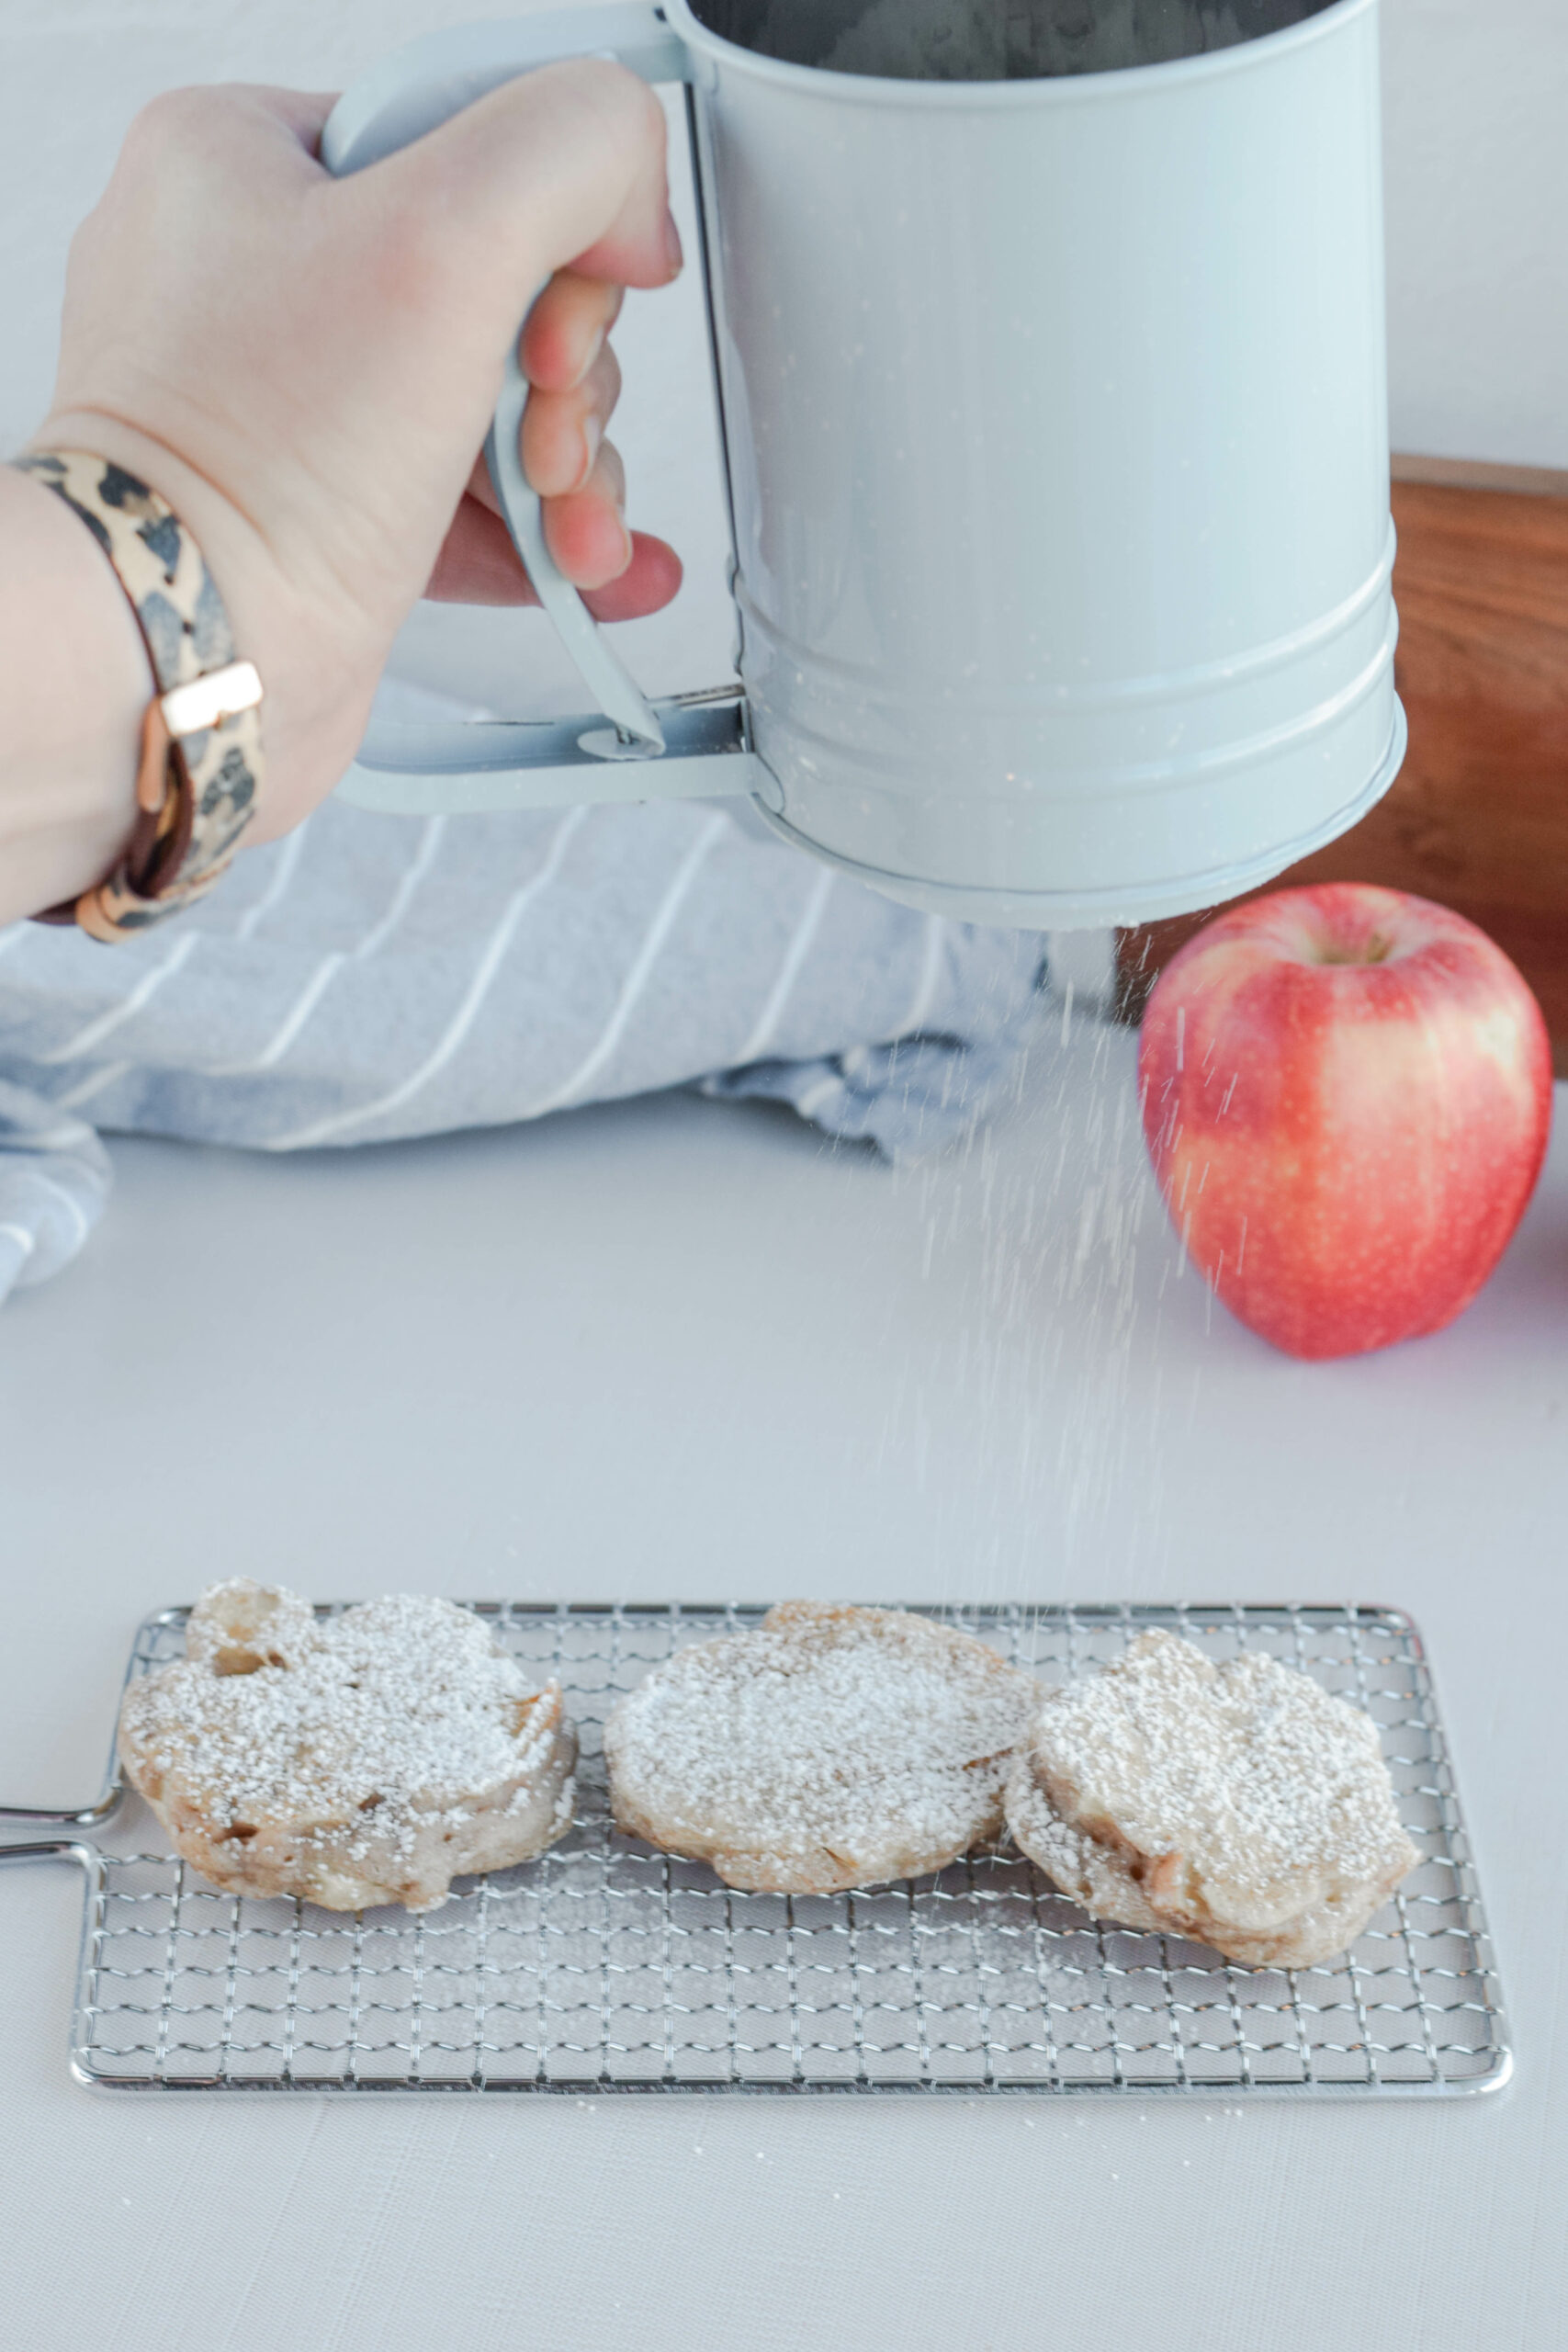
(371, 977)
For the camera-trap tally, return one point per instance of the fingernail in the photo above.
(675, 258)
(593, 433)
(594, 348)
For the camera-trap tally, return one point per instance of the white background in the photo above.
(670, 1348)
(1477, 101)
(1477, 168)
(673, 1348)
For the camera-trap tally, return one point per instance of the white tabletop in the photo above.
(672, 1350)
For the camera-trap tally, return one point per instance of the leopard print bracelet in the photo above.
(201, 750)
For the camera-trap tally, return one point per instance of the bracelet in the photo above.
(201, 750)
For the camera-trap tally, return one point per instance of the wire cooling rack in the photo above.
(605, 1966)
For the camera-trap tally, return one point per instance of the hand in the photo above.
(305, 369)
(576, 382)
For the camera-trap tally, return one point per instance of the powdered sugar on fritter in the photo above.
(1091, 1873)
(1271, 1791)
(372, 1739)
(832, 1746)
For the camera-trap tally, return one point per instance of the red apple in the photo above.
(1347, 1093)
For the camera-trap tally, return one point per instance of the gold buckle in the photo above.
(191, 709)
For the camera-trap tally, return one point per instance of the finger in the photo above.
(481, 487)
(478, 565)
(301, 112)
(226, 118)
(563, 164)
(609, 476)
(567, 327)
(563, 432)
(585, 531)
(649, 582)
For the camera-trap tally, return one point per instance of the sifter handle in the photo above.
(410, 93)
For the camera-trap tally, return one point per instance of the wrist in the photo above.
(68, 757)
(303, 646)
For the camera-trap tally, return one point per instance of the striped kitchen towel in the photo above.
(372, 977)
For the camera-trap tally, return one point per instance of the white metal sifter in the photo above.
(1050, 354)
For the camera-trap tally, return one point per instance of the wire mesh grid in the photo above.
(607, 1966)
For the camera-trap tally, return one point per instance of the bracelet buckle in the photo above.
(200, 762)
(192, 709)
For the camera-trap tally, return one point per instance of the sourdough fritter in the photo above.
(370, 1758)
(832, 1747)
(1240, 1804)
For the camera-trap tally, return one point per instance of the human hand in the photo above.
(306, 368)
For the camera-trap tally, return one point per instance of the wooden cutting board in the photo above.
(1478, 817)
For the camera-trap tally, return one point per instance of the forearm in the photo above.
(75, 684)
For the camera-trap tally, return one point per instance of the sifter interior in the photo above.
(994, 41)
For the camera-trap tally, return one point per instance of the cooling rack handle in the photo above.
(42, 1849)
(87, 1816)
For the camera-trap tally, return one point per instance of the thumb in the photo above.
(563, 164)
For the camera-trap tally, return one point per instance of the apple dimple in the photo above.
(1375, 950)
